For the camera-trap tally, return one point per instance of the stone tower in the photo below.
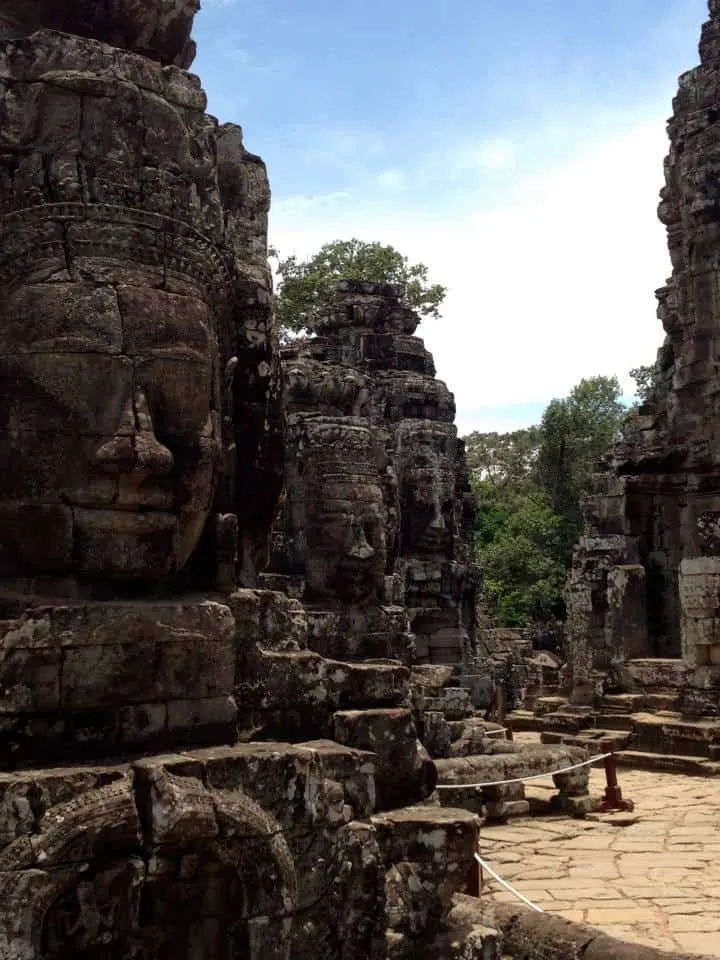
(645, 582)
(382, 373)
(145, 808)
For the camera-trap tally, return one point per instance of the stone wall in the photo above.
(658, 499)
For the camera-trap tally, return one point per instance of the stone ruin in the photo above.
(374, 539)
(202, 755)
(147, 807)
(643, 628)
(369, 422)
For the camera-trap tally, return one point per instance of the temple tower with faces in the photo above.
(190, 765)
(366, 331)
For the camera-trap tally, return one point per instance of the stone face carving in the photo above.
(128, 336)
(657, 488)
(366, 362)
(425, 463)
(124, 501)
(142, 436)
(335, 509)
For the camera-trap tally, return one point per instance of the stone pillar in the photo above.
(699, 584)
(700, 611)
(626, 624)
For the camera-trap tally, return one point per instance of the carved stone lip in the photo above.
(124, 522)
(146, 498)
(430, 542)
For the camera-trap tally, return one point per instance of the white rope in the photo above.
(533, 776)
(507, 886)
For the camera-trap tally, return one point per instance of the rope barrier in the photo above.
(504, 883)
(533, 776)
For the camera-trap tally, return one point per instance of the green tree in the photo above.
(304, 285)
(522, 568)
(644, 378)
(504, 460)
(574, 434)
(529, 486)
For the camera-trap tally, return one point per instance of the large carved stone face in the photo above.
(109, 429)
(426, 453)
(346, 538)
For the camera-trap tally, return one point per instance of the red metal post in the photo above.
(613, 799)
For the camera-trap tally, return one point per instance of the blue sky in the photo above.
(514, 147)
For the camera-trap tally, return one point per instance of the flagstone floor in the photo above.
(652, 877)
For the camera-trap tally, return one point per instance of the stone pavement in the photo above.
(651, 877)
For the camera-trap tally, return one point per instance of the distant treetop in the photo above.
(305, 286)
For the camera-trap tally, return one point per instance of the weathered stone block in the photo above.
(404, 775)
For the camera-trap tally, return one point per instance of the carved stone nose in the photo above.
(437, 522)
(135, 448)
(361, 549)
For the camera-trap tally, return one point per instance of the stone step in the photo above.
(656, 674)
(524, 720)
(668, 763)
(568, 720)
(544, 704)
(656, 702)
(591, 739)
(627, 703)
(668, 733)
(621, 703)
(614, 721)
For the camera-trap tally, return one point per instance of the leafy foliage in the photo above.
(503, 459)
(523, 575)
(304, 285)
(529, 485)
(644, 378)
(575, 433)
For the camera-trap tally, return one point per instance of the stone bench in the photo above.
(457, 779)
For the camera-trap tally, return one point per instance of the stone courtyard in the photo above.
(651, 877)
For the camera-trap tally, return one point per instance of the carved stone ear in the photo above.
(226, 551)
(230, 368)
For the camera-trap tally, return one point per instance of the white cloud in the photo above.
(391, 179)
(549, 281)
(495, 154)
(308, 203)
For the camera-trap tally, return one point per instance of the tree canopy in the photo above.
(529, 485)
(575, 432)
(644, 378)
(304, 285)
